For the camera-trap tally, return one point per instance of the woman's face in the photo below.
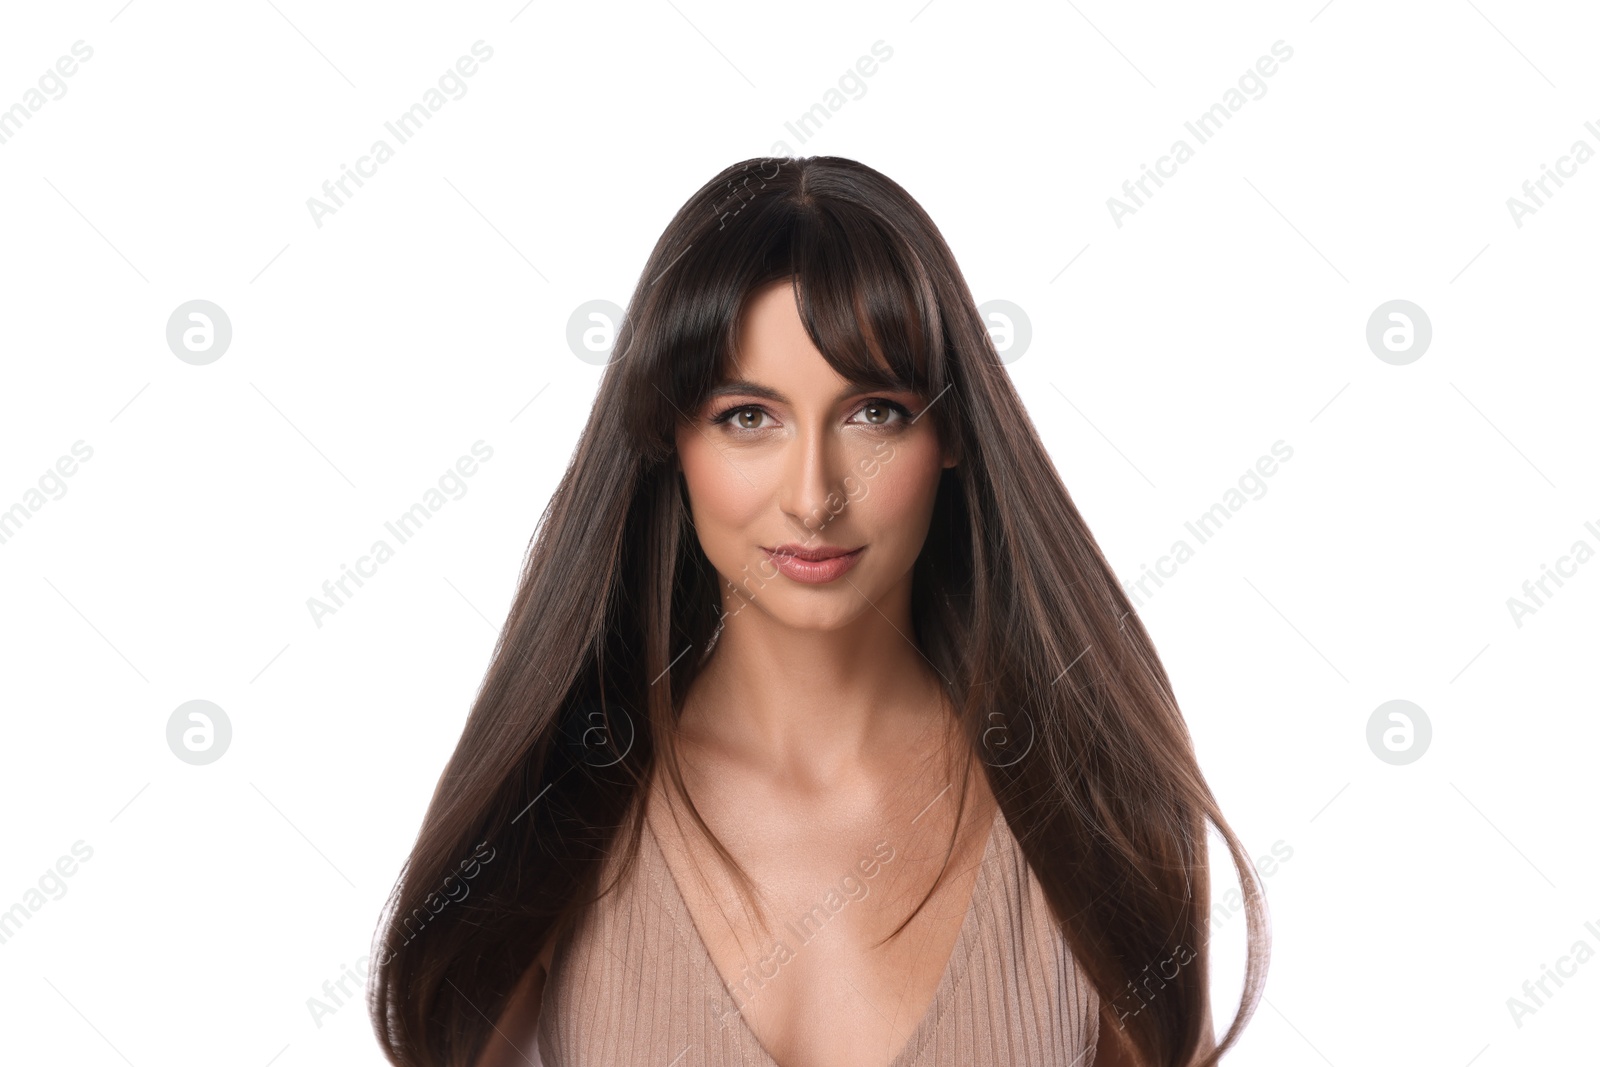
(810, 494)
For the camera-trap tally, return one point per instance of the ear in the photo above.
(950, 456)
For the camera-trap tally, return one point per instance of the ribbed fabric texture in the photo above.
(634, 983)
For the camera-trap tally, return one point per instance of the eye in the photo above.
(745, 417)
(883, 413)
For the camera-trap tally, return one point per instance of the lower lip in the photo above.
(813, 572)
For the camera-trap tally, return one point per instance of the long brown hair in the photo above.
(1053, 677)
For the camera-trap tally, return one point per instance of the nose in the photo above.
(808, 494)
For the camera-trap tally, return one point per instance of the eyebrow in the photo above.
(745, 387)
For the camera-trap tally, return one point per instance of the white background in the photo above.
(429, 312)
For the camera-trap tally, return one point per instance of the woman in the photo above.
(820, 731)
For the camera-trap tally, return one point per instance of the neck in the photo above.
(814, 702)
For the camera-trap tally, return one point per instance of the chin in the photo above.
(818, 609)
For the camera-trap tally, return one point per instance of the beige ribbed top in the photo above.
(635, 984)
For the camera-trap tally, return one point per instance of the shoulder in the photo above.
(520, 1016)
(546, 956)
(1112, 1047)
(1084, 1014)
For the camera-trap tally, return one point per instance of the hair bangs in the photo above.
(863, 296)
(864, 300)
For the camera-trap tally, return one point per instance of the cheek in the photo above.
(720, 499)
(896, 488)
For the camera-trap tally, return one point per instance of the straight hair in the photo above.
(1055, 682)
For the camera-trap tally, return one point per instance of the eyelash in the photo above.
(727, 414)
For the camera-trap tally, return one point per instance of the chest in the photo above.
(814, 976)
(636, 983)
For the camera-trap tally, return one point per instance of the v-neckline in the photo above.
(953, 967)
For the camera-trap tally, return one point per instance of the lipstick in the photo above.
(814, 565)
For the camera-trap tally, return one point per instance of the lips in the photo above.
(814, 553)
(813, 565)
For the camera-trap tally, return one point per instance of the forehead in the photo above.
(771, 332)
(775, 350)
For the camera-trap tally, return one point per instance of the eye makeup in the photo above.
(727, 414)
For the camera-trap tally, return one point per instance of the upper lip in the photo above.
(812, 553)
